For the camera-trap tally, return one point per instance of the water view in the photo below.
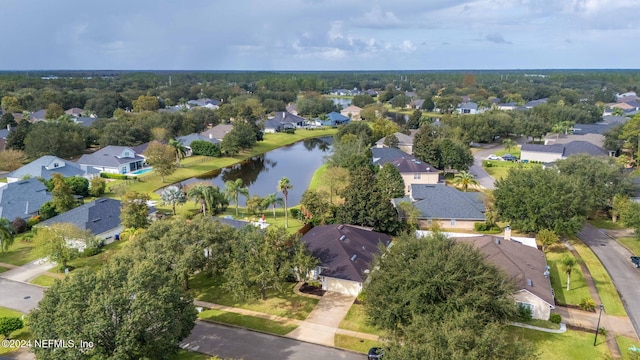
(340, 101)
(261, 173)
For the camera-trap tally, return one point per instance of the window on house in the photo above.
(453, 222)
(416, 175)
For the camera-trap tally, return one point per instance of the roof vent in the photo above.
(343, 237)
(529, 282)
(354, 257)
(102, 200)
(428, 169)
(497, 241)
(340, 227)
(96, 220)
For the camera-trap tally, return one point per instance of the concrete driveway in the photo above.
(19, 296)
(616, 259)
(28, 271)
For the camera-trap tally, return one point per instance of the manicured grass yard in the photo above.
(21, 334)
(604, 284)
(3, 269)
(571, 345)
(631, 243)
(579, 289)
(19, 253)
(606, 224)
(286, 304)
(515, 151)
(44, 280)
(250, 322)
(624, 343)
(356, 320)
(499, 169)
(354, 343)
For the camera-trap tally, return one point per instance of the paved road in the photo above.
(239, 343)
(616, 259)
(476, 169)
(19, 296)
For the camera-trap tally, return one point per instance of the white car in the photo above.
(493, 157)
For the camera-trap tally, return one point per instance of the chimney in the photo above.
(507, 233)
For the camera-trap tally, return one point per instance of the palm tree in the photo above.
(284, 185)
(234, 189)
(508, 144)
(199, 194)
(464, 179)
(569, 262)
(6, 234)
(272, 200)
(617, 112)
(173, 195)
(179, 148)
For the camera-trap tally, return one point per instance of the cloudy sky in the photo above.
(319, 34)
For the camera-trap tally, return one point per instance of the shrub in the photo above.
(201, 147)
(33, 220)
(19, 225)
(9, 325)
(587, 304)
(296, 213)
(602, 331)
(555, 318)
(114, 176)
(481, 226)
(289, 131)
(524, 313)
(97, 187)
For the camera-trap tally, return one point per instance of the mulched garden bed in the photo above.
(313, 290)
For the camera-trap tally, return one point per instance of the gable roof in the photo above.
(468, 106)
(74, 111)
(439, 201)
(534, 103)
(568, 149)
(403, 139)
(109, 156)
(98, 216)
(46, 165)
(286, 117)
(344, 251)
(336, 116)
(188, 139)
(351, 109)
(38, 115)
(22, 198)
(413, 165)
(555, 148)
(85, 121)
(217, 132)
(520, 262)
(382, 156)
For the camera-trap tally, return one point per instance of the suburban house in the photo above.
(74, 112)
(47, 165)
(352, 112)
(217, 132)
(188, 139)
(292, 108)
(447, 206)
(525, 265)
(288, 120)
(467, 108)
(112, 159)
(412, 170)
(39, 115)
(533, 103)
(101, 217)
(345, 255)
(416, 104)
(85, 121)
(333, 119)
(22, 199)
(627, 96)
(551, 153)
(383, 155)
(207, 103)
(405, 142)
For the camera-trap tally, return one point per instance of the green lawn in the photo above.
(192, 355)
(515, 151)
(624, 343)
(571, 345)
(606, 224)
(44, 280)
(3, 269)
(316, 180)
(579, 289)
(356, 320)
(19, 253)
(286, 304)
(606, 289)
(21, 334)
(249, 322)
(354, 343)
(543, 324)
(294, 224)
(632, 243)
(499, 169)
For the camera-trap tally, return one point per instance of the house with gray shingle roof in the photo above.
(112, 159)
(445, 205)
(405, 142)
(47, 165)
(288, 120)
(383, 155)
(552, 153)
(39, 115)
(333, 119)
(468, 108)
(217, 132)
(188, 139)
(412, 170)
(345, 253)
(101, 217)
(22, 198)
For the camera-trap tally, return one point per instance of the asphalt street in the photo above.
(225, 341)
(19, 296)
(485, 180)
(617, 260)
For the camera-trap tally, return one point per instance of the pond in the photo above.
(261, 173)
(340, 101)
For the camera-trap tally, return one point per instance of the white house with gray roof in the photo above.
(447, 206)
(555, 152)
(101, 217)
(23, 199)
(47, 165)
(112, 159)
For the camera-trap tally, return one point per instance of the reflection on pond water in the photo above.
(261, 173)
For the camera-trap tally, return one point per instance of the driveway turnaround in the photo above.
(19, 296)
(617, 260)
(237, 343)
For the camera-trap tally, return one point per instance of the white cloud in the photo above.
(377, 18)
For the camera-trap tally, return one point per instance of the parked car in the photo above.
(636, 261)
(493, 157)
(375, 353)
(509, 157)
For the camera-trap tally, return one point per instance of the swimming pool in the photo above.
(141, 171)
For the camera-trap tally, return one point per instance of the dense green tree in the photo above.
(134, 211)
(445, 154)
(383, 127)
(547, 238)
(284, 185)
(12, 159)
(317, 207)
(6, 234)
(54, 111)
(400, 101)
(362, 100)
(241, 137)
(313, 104)
(336, 178)
(233, 189)
(10, 104)
(145, 103)
(129, 310)
(7, 120)
(549, 201)
(254, 205)
(173, 195)
(52, 242)
(209, 197)
(201, 147)
(78, 185)
(349, 152)
(16, 138)
(9, 325)
(62, 194)
(390, 182)
(47, 211)
(162, 158)
(61, 139)
(97, 186)
(361, 130)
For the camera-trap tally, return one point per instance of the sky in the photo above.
(318, 34)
